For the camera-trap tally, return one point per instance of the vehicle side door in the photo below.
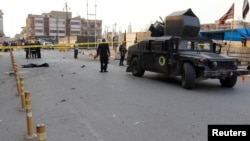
(160, 50)
(172, 57)
(148, 56)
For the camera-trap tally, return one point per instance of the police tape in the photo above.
(81, 45)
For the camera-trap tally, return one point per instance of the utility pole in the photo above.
(1, 24)
(57, 29)
(113, 35)
(67, 23)
(88, 14)
(107, 28)
(95, 22)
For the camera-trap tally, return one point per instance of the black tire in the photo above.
(228, 82)
(188, 76)
(136, 68)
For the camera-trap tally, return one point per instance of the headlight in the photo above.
(201, 60)
(215, 64)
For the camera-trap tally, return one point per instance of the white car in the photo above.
(48, 45)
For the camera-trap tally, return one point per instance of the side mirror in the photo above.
(217, 48)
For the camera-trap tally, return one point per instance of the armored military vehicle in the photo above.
(176, 49)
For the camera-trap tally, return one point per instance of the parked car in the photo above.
(48, 45)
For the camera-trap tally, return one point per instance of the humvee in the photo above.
(186, 54)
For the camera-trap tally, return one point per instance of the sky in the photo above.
(137, 13)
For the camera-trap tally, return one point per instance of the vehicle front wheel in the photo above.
(136, 68)
(228, 81)
(188, 76)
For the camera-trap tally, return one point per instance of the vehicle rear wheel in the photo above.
(188, 76)
(136, 68)
(228, 81)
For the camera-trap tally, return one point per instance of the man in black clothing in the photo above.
(38, 49)
(123, 50)
(27, 50)
(104, 53)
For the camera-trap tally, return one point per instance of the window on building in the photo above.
(85, 32)
(53, 31)
(39, 31)
(75, 32)
(53, 22)
(39, 21)
(75, 23)
(61, 31)
(98, 25)
(84, 25)
(61, 22)
(92, 25)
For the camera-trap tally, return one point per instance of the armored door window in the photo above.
(148, 46)
(157, 46)
(189, 45)
(142, 46)
(185, 45)
(203, 46)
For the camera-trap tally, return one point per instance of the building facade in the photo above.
(1, 24)
(57, 24)
(227, 25)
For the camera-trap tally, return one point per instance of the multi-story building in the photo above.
(227, 25)
(57, 24)
(1, 24)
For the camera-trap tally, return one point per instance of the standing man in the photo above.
(104, 52)
(123, 50)
(27, 50)
(38, 49)
(76, 48)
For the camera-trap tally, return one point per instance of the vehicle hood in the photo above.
(205, 55)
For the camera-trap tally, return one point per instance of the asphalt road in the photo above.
(80, 103)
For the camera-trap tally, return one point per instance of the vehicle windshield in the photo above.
(195, 45)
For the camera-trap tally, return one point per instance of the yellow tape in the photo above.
(52, 45)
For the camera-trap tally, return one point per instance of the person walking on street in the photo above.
(123, 50)
(76, 48)
(104, 53)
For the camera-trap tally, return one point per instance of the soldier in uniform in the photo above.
(123, 50)
(38, 49)
(104, 53)
(27, 50)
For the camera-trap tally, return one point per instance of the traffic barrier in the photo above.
(41, 132)
(243, 78)
(15, 69)
(30, 134)
(17, 80)
(91, 54)
(22, 93)
(12, 58)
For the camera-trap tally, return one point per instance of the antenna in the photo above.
(162, 20)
